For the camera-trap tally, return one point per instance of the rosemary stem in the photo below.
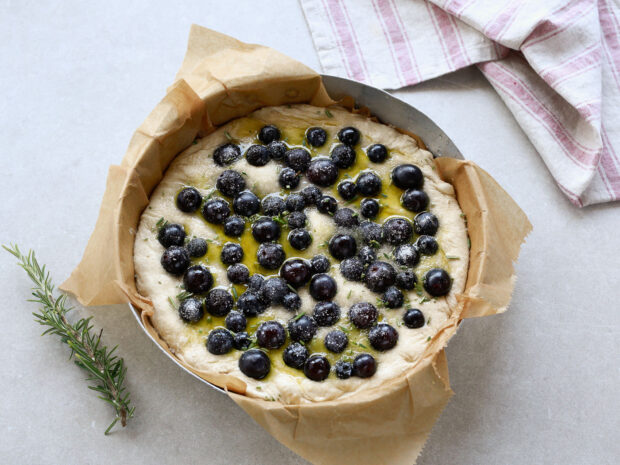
(98, 364)
(106, 371)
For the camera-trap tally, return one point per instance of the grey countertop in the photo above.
(538, 384)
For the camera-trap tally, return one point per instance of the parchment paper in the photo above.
(221, 79)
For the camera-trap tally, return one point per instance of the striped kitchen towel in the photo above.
(555, 63)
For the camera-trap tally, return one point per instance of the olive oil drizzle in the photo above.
(244, 134)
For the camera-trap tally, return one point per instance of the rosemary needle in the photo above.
(106, 371)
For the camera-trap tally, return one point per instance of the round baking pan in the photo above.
(389, 110)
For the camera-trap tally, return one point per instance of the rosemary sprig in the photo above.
(106, 371)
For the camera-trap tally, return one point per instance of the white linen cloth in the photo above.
(556, 65)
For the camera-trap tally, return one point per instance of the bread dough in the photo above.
(195, 167)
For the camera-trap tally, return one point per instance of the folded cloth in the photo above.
(556, 65)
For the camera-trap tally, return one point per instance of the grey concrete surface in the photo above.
(538, 384)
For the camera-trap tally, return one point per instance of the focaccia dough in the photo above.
(195, 167)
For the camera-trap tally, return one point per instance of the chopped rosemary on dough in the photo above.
(161, 223)
(183, 295)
